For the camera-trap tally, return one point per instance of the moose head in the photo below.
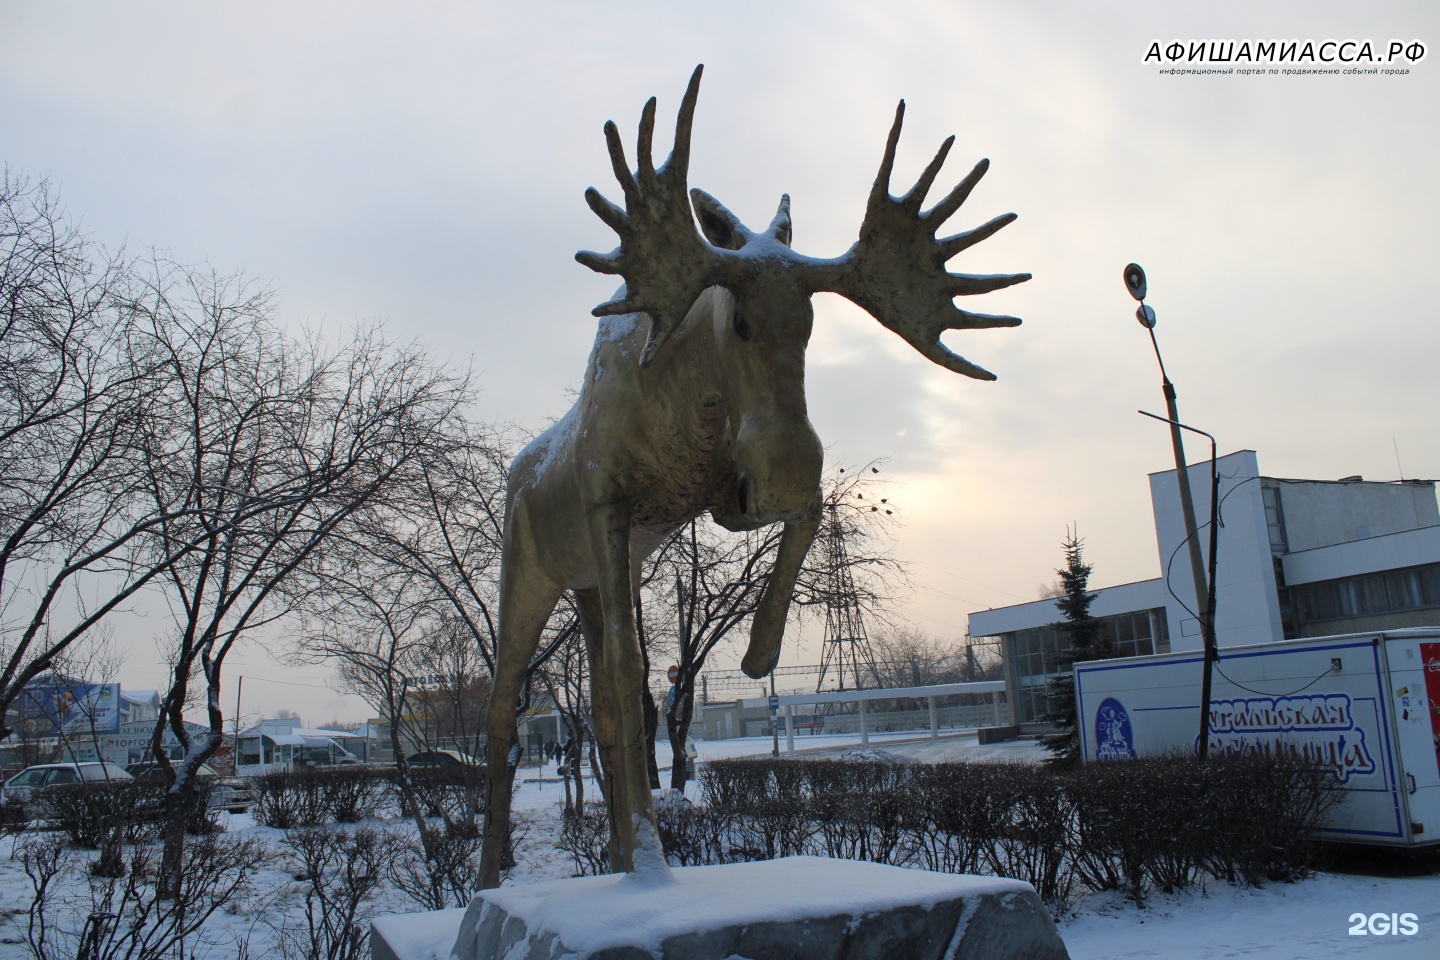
(694, 402)
(895, 271)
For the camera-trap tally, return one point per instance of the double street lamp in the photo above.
(1204, 592)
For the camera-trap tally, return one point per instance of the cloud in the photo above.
(426, 166)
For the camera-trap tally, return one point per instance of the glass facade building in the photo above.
(1035, 654)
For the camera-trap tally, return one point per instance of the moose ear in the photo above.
(721, 227)
(780, 227)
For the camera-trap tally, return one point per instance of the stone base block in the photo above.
(997, 734)
(798, 908)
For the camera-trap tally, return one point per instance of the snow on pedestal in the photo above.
(798, 908)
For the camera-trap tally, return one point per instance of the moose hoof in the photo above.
(759, 663)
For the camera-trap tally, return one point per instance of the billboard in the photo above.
(71, 708)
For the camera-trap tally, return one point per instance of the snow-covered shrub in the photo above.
(457, 790)
(1135, 825)
(317, 795)
(348, 794)
(13, 816)
(1259, 814)
(691, 835)
(955, 817)
(122, 918)
(128, 811)
(440, 866)
(339, 871)
(1035, 840)
(282, 802)
(764, 804)
(585, 837)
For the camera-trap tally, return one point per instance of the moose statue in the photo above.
(694, 401)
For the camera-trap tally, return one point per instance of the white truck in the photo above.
(1366, 706)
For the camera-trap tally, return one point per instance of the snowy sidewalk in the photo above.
(1284, 921)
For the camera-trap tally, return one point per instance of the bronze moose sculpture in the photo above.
(701, 408)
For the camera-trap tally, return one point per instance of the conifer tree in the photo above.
(1081, 638)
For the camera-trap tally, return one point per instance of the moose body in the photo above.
(694, 402)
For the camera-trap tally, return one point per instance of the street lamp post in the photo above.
(1207, 633)
(1204, 594)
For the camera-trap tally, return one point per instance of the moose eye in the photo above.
(742, 326)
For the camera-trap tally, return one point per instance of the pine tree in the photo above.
(1081, 638)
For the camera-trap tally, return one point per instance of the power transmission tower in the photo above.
(846, 646)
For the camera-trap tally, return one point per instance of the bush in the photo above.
(691, 835)
(440, 867)
(120, 916)
(94, 814)
(283, 802)
(1135, 826)
(317, 795)
(455, 789)
(339, 872)
(13, 816)
(585, 837)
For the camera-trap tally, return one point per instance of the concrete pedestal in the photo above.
(799, 908)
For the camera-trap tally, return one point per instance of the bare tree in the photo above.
(440, 521)
(402, 596)
(453, 687)
(565, 676)
(258, 447)
(367, 619)
(707, 582)
(73, 526)
(907, 657)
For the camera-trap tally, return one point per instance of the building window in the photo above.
(1274, 519)
(1414, 588)
(1036, 654)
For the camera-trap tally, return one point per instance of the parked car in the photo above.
(27, 787)
(440, 758)
(235, 794)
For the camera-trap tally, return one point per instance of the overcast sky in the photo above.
(424, 164)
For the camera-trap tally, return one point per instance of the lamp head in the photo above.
(1146, 315)
(1135, 280)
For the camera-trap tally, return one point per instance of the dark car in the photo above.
(440, 758)
(234, 794)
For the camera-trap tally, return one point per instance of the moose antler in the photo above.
(896, 270)
(665, 262)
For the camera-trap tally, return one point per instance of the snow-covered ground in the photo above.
(1310, 919)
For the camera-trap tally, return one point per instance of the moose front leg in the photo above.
(632, 808)
(768, 627)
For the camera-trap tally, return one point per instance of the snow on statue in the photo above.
(699, 408)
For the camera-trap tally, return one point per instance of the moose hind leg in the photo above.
(527, 598)
(602, 711)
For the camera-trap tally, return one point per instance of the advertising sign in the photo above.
(70, 707)
(1430, 657)
(1321, 701)
(131, 742)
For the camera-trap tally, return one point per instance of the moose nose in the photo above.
(743, 495)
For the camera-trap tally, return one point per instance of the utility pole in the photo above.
(774, 720)
(1204, 592)
(239, 685)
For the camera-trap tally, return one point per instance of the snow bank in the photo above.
(798, 907)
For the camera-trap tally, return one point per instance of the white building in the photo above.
(282, 744)
(1296, 558)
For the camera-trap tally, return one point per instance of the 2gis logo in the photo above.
(1384, 924)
